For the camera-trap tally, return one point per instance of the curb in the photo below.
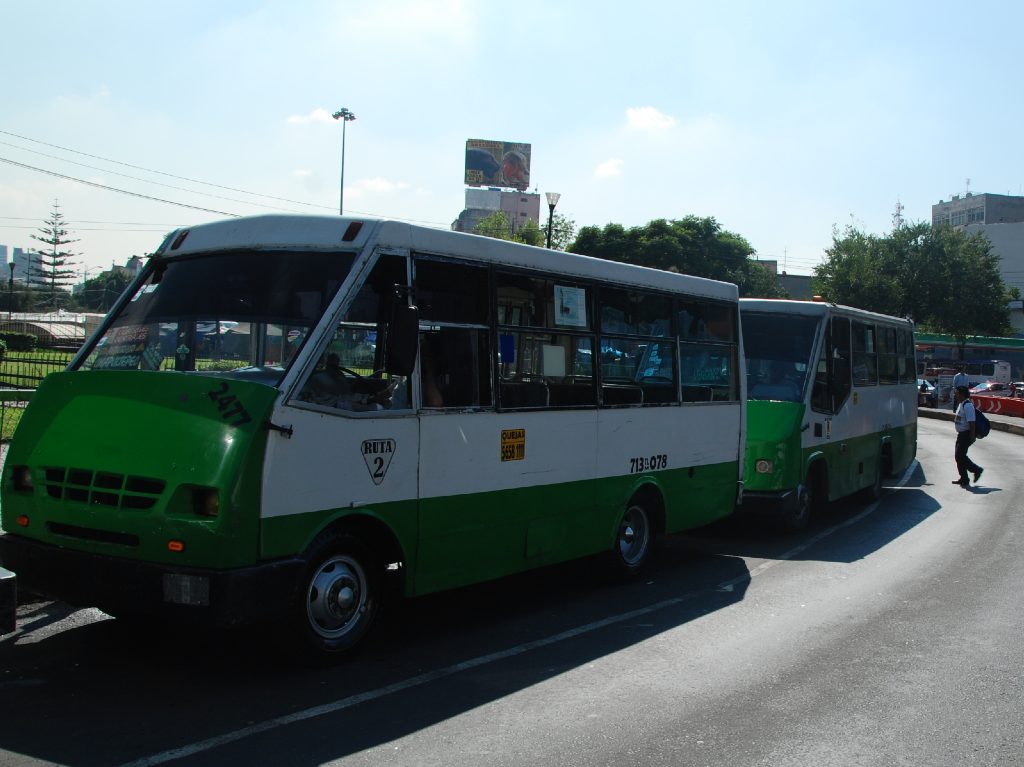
(947, 415)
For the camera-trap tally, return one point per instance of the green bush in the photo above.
(19, 342)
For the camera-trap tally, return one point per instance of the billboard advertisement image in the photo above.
(497, 163)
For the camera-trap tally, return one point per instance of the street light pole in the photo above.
(10, 291)
(552, 202)
(345, 116)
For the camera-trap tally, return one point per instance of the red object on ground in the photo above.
(999, 405)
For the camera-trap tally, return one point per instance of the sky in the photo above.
(785, 121)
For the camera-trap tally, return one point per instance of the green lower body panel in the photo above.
(457, 540)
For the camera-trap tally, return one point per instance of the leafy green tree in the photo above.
(99, 293)
(690, 245)
(563, 232)
(860, 270)
(55, 268)
(946, 280)
(497, 225)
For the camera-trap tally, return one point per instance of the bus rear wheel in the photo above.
(635, 538)
(340, 595)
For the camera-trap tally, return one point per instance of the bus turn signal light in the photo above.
(22, 520)
(176, 546)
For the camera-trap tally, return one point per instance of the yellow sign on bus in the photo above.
(513, 444)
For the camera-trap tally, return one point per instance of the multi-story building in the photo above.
(519, 207)
(969, 208)
(1000, 218)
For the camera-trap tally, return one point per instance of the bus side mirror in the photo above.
(403, 339)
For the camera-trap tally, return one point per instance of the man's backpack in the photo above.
(981, 424)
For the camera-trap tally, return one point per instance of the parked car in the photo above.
(927, 394)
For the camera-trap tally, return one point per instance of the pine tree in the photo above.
(53, 269)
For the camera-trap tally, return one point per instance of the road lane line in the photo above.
(511, 652)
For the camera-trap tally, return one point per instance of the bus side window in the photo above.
(351, 374)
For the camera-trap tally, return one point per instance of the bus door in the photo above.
(830, 403)
(347, 441)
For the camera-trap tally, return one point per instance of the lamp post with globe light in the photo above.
(552, 198)
(345, 116)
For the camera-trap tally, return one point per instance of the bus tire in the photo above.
(634, 540)
(873, 491)
(340, 595)
(797, 517)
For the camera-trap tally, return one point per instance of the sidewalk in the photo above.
(1008, 423)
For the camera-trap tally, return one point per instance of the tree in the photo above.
(498, 226)
(563, 232)
(54, 269)
(99, 293)
(945, 280)
(690, 245)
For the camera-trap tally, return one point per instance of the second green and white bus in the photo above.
(285, 417)
(832, 404)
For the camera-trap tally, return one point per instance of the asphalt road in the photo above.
(888, 634)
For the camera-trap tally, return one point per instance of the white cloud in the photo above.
(609, 168)
(380, 185)
(316, 116)
(648, 118)
(302, 173)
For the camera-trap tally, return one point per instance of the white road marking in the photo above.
(431, 676)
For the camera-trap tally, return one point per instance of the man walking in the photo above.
(964, 421)
(960, 379)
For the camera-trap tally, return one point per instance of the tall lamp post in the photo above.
(10, 291)
(552, 202)
(346, 117)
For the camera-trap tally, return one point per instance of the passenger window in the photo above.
(451, 292)
(538, 369)
(865, 357)
(454, 368)
(634, 313)
(706, 321)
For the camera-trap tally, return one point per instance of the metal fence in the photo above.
(20, 375)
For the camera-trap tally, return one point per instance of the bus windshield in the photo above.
(239, 314)
(778, 351)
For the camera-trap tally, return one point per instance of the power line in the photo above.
(157, 183)
(115, 189)
(158, 172)
(439, 224)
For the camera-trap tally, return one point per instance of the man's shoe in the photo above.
(977, 475)
(961, 482)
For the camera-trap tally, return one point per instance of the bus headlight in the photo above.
(206, 501)
(764, 466)
(21, 476)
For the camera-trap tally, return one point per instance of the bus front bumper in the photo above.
(769, 502)
(125, 587)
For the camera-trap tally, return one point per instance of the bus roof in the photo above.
(815, 309)
(303, 232)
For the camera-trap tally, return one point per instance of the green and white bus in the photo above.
(287, 417)
(832, 404)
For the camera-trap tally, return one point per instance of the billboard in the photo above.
(497, 163)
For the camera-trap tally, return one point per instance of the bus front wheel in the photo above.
(797, 517)
(340, 595)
